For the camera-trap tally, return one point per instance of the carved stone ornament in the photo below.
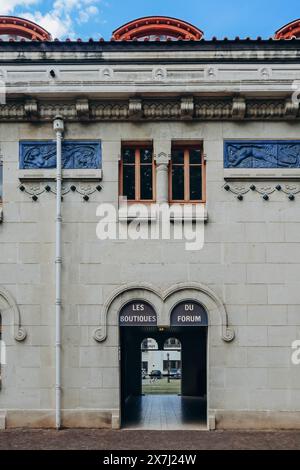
(135, 107)
(31, 108)
(187, 107)
(265, 73)
(82, 108)
(211, 73)
(162, 159)
(238, 108)
(8, 306)
(107, 73)
(291, 109)
(159, 74)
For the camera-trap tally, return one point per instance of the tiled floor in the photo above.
(165, 412)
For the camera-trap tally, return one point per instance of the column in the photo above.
(162, 158)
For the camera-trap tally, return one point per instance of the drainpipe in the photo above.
(58, 126)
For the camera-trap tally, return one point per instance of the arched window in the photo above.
(172, 343)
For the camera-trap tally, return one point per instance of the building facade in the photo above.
(159, 115)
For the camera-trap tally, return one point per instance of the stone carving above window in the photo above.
(262, 154)
(75, 154)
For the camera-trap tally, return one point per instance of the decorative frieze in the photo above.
(213, 109)
(162, 109)
(109, 111)
(180, 108)
(265, 109)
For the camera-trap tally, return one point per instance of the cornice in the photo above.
(246, 50)
(145, 109)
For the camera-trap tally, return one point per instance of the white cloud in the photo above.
(59, 20)
(85, 15)
(8, 6)
(56, 25)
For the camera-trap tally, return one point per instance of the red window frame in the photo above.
(137, 147)
(186, 165)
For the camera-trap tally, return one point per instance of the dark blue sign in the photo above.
(75, 154)
(138, 313)
(189, 313)
(262, 154)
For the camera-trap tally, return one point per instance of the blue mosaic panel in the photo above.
(75, 154)
(262, 154)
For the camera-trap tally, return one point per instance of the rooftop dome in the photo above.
(154, 28)
(19, 28)
(289, 31)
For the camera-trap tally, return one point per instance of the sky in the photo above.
(98, 18)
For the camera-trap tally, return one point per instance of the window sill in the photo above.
(192, 212)
(40, 174)
(261, 173)
(128, 212)
(179, 212)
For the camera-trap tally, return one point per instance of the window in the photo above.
(187, 174)
(137, 173)
(172, 342)
(171, 364)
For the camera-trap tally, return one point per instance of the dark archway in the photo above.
(191, 403)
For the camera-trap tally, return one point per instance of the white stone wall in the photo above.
(251, 260)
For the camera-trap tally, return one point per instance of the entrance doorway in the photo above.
(176, 400)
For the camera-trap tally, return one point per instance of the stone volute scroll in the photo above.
(8, 306)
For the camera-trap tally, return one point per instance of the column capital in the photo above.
(162, 158)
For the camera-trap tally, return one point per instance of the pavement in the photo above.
(99, 439)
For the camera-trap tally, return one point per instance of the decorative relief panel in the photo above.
(75, 154)
(262, 154)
